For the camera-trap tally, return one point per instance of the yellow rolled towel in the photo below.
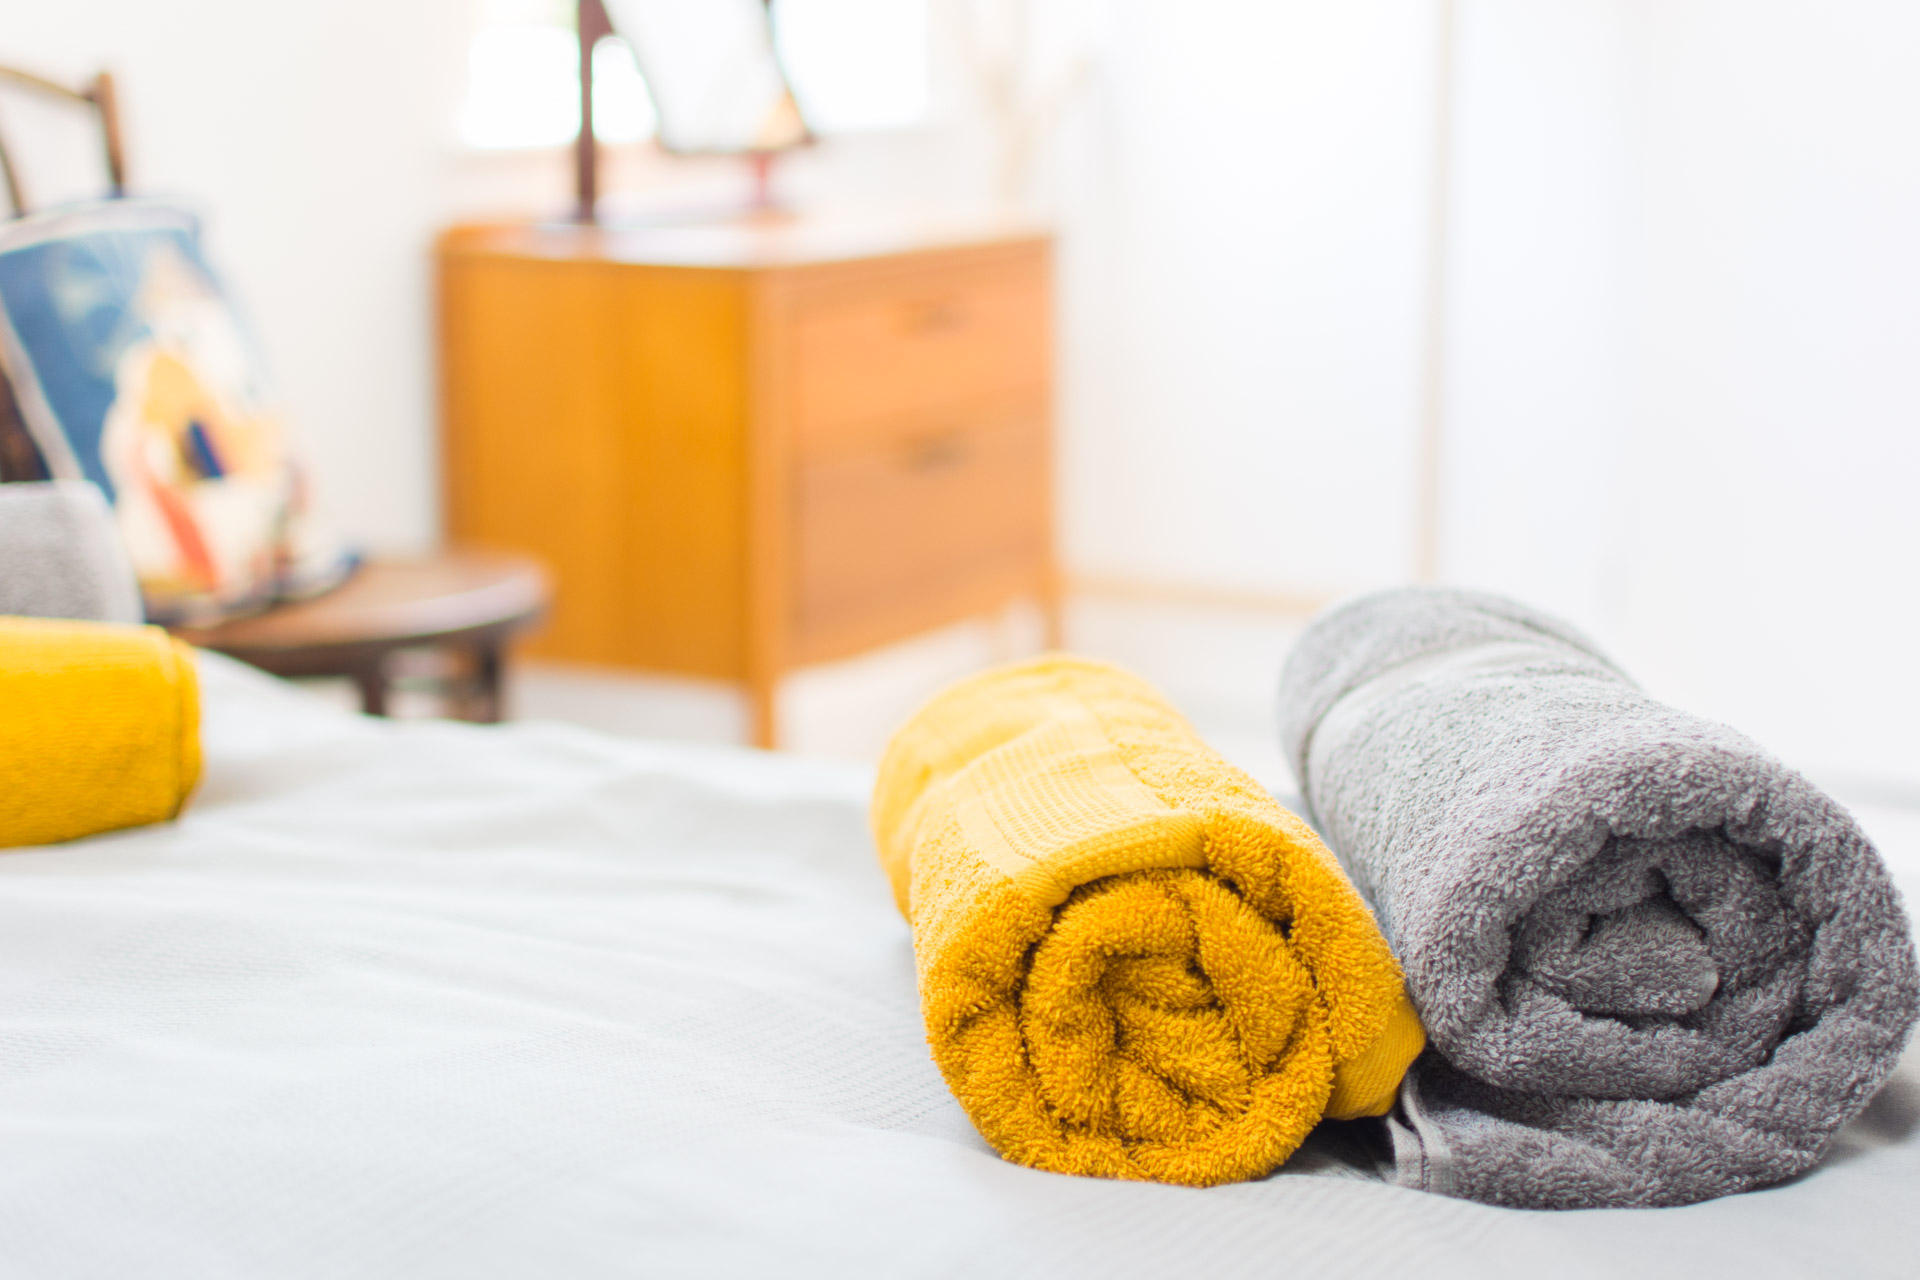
(99, 728)
(1133, 963)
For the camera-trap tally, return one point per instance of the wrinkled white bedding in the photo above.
(423, 1000)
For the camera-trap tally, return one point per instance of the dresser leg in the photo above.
(760, 711)
(1050, 616)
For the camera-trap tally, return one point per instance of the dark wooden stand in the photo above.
(467, 602)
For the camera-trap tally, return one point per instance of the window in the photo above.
(523, 80)
(855, 65)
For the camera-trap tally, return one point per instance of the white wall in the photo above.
(1542, 291)
(1244, 214)
(1683, 387)
(1779, 437)
(1681, 393)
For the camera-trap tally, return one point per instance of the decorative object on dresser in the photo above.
(126, 365)
(713, 75)
(123, 364)
(130, 368)
(747, 446)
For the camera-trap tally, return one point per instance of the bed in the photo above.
(426, 999)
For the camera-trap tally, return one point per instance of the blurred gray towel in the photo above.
(61, 554)
(1655, 965)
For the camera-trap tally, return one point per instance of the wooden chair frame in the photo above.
(98, 94)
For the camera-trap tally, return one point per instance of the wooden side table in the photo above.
(470, 602)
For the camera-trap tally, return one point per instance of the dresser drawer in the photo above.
(917, 532)
(916, 341)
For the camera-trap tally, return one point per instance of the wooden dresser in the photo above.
(745, 447)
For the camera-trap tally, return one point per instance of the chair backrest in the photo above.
(97, 94)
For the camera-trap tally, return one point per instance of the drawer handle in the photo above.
(931, 316)
(936, 452)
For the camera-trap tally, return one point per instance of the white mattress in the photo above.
(421, 1000)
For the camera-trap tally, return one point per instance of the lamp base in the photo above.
(758, 205)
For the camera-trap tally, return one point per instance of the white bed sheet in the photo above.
(423, 1000)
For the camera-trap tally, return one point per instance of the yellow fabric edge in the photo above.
(1366, 1085)
(187, 683)
(77, 765)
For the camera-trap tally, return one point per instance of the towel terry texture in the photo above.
(1133, 962)
(61, 554)
(1655, 965)
(99, 728)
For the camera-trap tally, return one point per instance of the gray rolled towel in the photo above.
(1655, 965)
(61, 554)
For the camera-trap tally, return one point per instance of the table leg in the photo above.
(372, 679)
(488, 664)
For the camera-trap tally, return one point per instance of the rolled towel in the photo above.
(1133, 963)
(1655, 964)
(99, 728)
(61, 554)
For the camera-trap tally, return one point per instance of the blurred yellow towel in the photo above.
(99, 728)
(1133, 962)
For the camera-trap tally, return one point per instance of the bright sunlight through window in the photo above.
(855, 65)
(523, 80)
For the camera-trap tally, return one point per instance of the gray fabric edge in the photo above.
(1353, 643)
(1422, 1157)
(62, 556)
